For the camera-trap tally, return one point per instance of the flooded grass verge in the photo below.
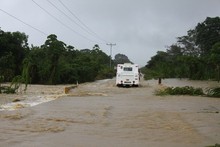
(188, 90)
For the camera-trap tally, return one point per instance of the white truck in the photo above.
(127, 75)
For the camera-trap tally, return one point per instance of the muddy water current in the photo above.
(101, 114)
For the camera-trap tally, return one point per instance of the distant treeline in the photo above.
(194, 56)
(54, 62)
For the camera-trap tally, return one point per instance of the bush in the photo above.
(216, 145)
(213, 92)
(7, 90)
(187, 90)
(105, 73)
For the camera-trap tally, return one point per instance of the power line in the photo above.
(84, 25)
(24, 22)
(62, 22)
(69, 17)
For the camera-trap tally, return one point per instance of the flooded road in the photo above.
(100, 114)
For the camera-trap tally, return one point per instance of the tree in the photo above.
(215, 58)
(13, 49)
(54, 49)
(96, 47)
(121, 59)
(52, 63)
(207, 34)
(188, 44)
(194, 56)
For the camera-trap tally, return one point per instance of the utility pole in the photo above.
(111, 44)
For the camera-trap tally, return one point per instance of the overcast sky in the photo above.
(139, 28)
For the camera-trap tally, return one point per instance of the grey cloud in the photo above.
(139, 27)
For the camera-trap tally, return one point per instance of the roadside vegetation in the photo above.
(188, 90)
(216, 145)
(5, 89)
(213, 92)
(195, 55)
(54, 62)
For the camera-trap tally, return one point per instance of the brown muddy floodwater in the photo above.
(101, 115)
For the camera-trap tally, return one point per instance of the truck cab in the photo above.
(127, 75)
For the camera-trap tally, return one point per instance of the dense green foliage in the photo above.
(54, 62)
(13, 49)
(194, 56)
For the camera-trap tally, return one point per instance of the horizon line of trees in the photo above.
(54, 62)
(194, 56)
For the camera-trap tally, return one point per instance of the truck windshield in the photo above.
(127, 68)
